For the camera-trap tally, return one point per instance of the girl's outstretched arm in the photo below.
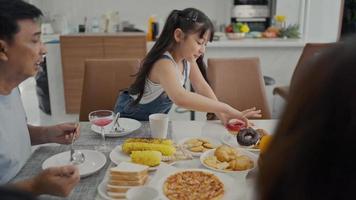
(164, 73)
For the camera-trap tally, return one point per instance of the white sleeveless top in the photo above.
(153, 90)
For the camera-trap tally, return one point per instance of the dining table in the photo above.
(87, 188)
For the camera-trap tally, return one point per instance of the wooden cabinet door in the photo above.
(75, 50)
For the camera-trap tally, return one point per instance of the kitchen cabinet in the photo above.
(75, 49)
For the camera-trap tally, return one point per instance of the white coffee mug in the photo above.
(142, 193)
(159, 125)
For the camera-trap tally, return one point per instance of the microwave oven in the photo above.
(251, 2)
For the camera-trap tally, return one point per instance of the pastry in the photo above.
(225, 153)
(247, 137)
(241, 163)
(198, 145)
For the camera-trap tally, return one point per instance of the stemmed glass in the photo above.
(102, 118)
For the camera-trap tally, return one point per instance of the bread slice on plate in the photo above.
(114, 195)
(117, 189)
(125, 176)
(129, 170)
(119, 182)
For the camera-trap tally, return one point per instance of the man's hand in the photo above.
(58, 181)
(63, 133)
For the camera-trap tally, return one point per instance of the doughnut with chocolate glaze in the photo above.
(247, 137)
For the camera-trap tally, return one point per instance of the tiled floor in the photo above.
(36, 117)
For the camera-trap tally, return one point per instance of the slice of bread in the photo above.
(119, 182)
(117, 189)
(114, 195)
(126, 169)
(126, 177)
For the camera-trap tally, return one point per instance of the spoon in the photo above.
(76, 157)
(117, 127)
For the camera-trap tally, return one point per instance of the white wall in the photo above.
(136, 11)
(291, 9)
(322, 20)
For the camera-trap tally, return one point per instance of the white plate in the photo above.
(231, 191)
(102, 187)
(94, 161)
(243, 173)
(128, 124)
(231, 141)
(117, 156)
(214, 142)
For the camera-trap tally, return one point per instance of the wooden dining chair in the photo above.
(103, 80)
(239, 83)
(310, 51)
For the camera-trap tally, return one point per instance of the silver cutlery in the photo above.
(76, 157)
(116, 126)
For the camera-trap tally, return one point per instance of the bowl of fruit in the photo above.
(236, 31)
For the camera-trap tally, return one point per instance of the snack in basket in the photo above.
(198, 145)
(150, 158)
(193, 185)
(125, 176)
(228, 158)
(166, 150)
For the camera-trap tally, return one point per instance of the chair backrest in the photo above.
(103, 80)
(310, 51)
(239, 83)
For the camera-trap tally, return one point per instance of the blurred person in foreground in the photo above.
(312, 154)
(21, 52)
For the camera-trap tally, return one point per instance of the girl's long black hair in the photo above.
(190, 21)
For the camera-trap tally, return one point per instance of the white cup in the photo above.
(142, 193)
(159, 125)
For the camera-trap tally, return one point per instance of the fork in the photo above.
(71, 149)
(117, 127)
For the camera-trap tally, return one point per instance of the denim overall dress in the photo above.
(140, 112)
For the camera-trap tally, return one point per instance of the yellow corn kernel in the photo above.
(150, 158)
(151, 140)
(166, 150)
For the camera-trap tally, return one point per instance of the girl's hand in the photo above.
(252, 112)
(235, 114)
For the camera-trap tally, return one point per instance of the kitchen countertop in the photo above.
(250, 42)
(245, 42)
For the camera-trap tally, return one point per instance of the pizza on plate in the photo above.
(193, 185)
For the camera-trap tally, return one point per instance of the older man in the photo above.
(21, 52)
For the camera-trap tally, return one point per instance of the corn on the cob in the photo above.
(150, 158)
(150, 140)
(166, 150)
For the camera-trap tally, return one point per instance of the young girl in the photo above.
(176, 56)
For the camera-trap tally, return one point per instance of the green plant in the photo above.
(292, 31)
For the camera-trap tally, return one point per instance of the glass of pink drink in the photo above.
(102, 118)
